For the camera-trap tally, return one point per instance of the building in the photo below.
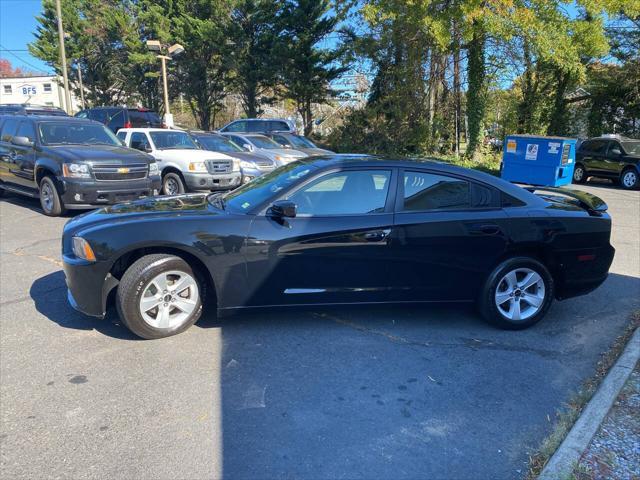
(37, 90)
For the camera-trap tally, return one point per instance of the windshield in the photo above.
(632, 147)
(266, 186)
(172, 139)
(261, 141)
(301, 142)
(218, 144)
(76, 133)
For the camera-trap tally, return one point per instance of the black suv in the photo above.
(122, 117)
(71, 163)
(614, 157)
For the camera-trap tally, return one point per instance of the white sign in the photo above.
(27, 89)
(554, 147)
(532, 151)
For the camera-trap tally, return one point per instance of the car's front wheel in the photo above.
(517, 294)
(52, 204)
(630, 179)
(172, 184)
(579, 174)
(159, 295)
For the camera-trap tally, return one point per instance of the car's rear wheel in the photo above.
(50, 200)
(579, 174)
(159, 296)
(630, 179)
(517, 294)
(172, 184)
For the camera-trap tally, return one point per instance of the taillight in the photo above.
(164, 125)
(127, 124)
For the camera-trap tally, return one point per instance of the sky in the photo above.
(17, 24)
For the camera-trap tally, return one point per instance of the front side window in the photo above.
(9, 129)
(26, 130)
(614, 149)
(261, 141)
(218, 144)
(76, 133)
(428, 191)
(300, 142)
(344, 193)
(172, 139)
(236, 127)
(139, 141)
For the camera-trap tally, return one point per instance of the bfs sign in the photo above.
(27, 90)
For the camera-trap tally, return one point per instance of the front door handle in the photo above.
(377, 235)
(485, 229)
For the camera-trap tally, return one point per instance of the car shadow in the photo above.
(49, 294)
(33, 204)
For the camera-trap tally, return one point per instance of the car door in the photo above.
(139, 141)
(614, 161)
(595, 156)
(24, 157)
(9, 128)
(336, 248)
(449, 232)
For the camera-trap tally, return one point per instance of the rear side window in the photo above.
(26, 129)
(428, 191)
(100, 115)
(596, 146)
(277, 125)
(116, 118)
(138, 118)
(257, 126)
(9, 129)
(154, 119)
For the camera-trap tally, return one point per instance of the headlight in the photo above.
(153, 169)
(237, 164)
(197, 167)
(248, 165)
(76, 170)
(82, 249)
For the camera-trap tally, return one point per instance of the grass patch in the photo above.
(488, 163)
(566, 417)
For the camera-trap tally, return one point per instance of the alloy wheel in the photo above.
(169, 299)
(520, 294)
(171, 186)
(629, 179)
(46, 194)
(578, 174)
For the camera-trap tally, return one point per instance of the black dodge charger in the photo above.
(335, 230)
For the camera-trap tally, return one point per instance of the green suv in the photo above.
(613, 156)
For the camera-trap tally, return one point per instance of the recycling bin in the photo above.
(538, 160)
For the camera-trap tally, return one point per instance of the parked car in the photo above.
(183, 165)
(298, 142)
(122, 117)
(251, 166)
(71, 163)
(259, 125)
(265, 147)
(30, 109)
(336, 230)
(613, 157)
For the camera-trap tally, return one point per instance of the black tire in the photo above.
(630, 179)
(133, 285)
(487, 302)
(579, 174)
(172, 184)
(50, 200)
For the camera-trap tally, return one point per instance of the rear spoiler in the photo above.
(589, 202)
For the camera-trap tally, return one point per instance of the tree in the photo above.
(7, 70)
(254, 36)
(306, 69)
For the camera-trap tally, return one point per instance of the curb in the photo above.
(565, 459)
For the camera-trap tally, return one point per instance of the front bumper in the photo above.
(208, 182)
(91, 193)
(88, 285)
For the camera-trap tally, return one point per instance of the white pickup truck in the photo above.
(183, 165)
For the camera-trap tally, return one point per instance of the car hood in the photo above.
(316, 151)
(283, 152)
(98, 154)
(189, 154)
(249, 157)
(145, 209)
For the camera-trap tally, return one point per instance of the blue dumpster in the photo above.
(537, 160)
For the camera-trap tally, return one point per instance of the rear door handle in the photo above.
(485, 229)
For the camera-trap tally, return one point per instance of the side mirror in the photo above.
(148, 149)
(248, 147)
(616, 152)
(22, 141)
(284, 208)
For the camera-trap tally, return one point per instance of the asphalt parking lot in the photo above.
(384, 392)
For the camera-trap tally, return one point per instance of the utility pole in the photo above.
(165, 90)
(173, 51)
(63, 58)
(81, 88)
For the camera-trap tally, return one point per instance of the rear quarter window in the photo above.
(277, 125)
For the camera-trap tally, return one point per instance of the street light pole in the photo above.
(173, 50)
(63, 58)
(165, 90)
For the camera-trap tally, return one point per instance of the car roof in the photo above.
(145, 129)
(56, 118)
(140, 109)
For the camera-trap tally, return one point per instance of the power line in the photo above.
(38, 69)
